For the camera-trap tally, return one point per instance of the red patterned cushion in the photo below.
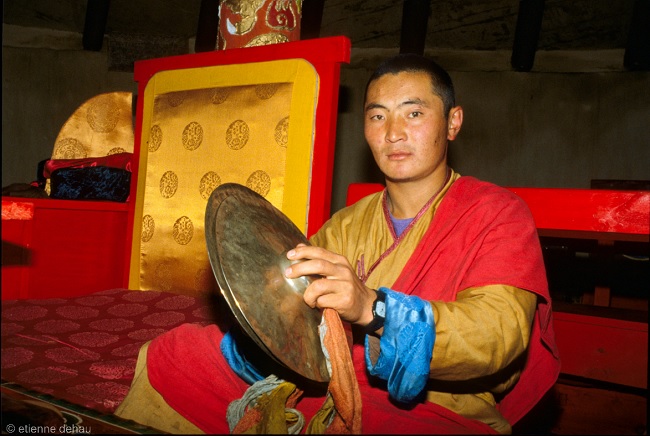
(84, 349)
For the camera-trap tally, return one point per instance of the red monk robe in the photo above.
(475, 246)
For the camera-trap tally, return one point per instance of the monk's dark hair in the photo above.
(441, 82)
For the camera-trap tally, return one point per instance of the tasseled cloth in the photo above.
(269, 405)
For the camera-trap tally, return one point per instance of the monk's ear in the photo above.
(455, 121)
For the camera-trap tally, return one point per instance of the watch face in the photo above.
(380, 309)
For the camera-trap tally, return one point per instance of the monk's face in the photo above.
(406, 127)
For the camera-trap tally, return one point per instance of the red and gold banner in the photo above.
(249, 23)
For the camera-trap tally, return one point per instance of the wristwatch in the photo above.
(378, 313)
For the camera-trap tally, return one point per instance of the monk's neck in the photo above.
(406, 199)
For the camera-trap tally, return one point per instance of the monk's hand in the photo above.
(339, 288)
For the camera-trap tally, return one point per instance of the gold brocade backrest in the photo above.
(101, 126)
(249, 124)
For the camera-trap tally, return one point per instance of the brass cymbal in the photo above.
(247, 240)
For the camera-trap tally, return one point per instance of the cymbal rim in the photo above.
(240, 222)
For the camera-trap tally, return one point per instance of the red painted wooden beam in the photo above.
(589, 210)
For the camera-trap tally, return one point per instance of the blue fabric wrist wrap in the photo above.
(237, 361)
(406, 345)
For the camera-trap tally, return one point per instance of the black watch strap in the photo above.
(378, 313)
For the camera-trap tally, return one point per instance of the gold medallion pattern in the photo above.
(148, 227)
(209, 182)
(219, 95)
(69, 148)
(103, 114)
(155, 138)
(183, 230)
(282, 132)
(220, 134)
(237, 135)
(97, 127)
(168, 184)
(175, 99)
(116, 150)
(164, 277)
(266, 90)
(259, 182)
(192, 136)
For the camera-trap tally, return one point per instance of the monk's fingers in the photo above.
(329, 293)
(303, 252)
(315, 292)
(313, 267)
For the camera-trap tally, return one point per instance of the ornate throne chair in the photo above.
(263, 117)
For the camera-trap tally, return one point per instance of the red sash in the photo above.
(482, 234)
